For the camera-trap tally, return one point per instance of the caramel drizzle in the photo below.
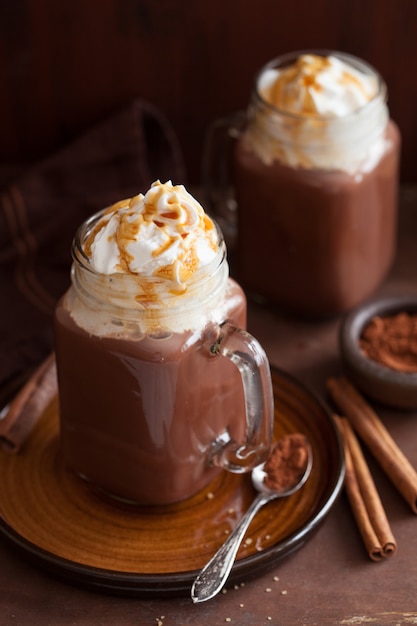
(183, 267)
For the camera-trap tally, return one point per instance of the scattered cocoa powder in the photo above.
(392, 341)
(287, 462)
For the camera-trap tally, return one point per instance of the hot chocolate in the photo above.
(315, 176)
(162, 388)
(152, 403)
(322, 240)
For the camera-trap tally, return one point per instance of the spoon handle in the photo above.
(214, 575)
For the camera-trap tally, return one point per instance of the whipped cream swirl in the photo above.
(316, 85)
(164, 233)
(319, 112)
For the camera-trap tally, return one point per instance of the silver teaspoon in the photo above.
(213, 576)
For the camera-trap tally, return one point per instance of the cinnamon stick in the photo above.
(22, 413)
(377, 438)
(364, 499)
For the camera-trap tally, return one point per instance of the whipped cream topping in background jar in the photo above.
(160, 386)
(315, 180)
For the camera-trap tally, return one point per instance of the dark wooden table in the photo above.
(329, 581)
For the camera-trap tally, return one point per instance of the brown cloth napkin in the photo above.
(41, 210)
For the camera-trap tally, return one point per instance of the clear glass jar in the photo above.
(158, 393)
(316, 199)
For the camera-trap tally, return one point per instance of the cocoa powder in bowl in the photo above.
(378, 348)
(392, 341)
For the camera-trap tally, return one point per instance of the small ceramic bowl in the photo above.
(381, 383)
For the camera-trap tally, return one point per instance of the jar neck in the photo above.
(350, 143)
(150, 303)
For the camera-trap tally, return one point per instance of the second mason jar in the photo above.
(315, 177)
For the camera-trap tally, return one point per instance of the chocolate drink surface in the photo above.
(146, 407)
(160, 386)
(327, 238)
(315, 174)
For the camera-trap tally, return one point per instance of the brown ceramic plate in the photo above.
(53, 517)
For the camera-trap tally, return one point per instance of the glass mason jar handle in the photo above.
(250, 359)
(217, 180)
